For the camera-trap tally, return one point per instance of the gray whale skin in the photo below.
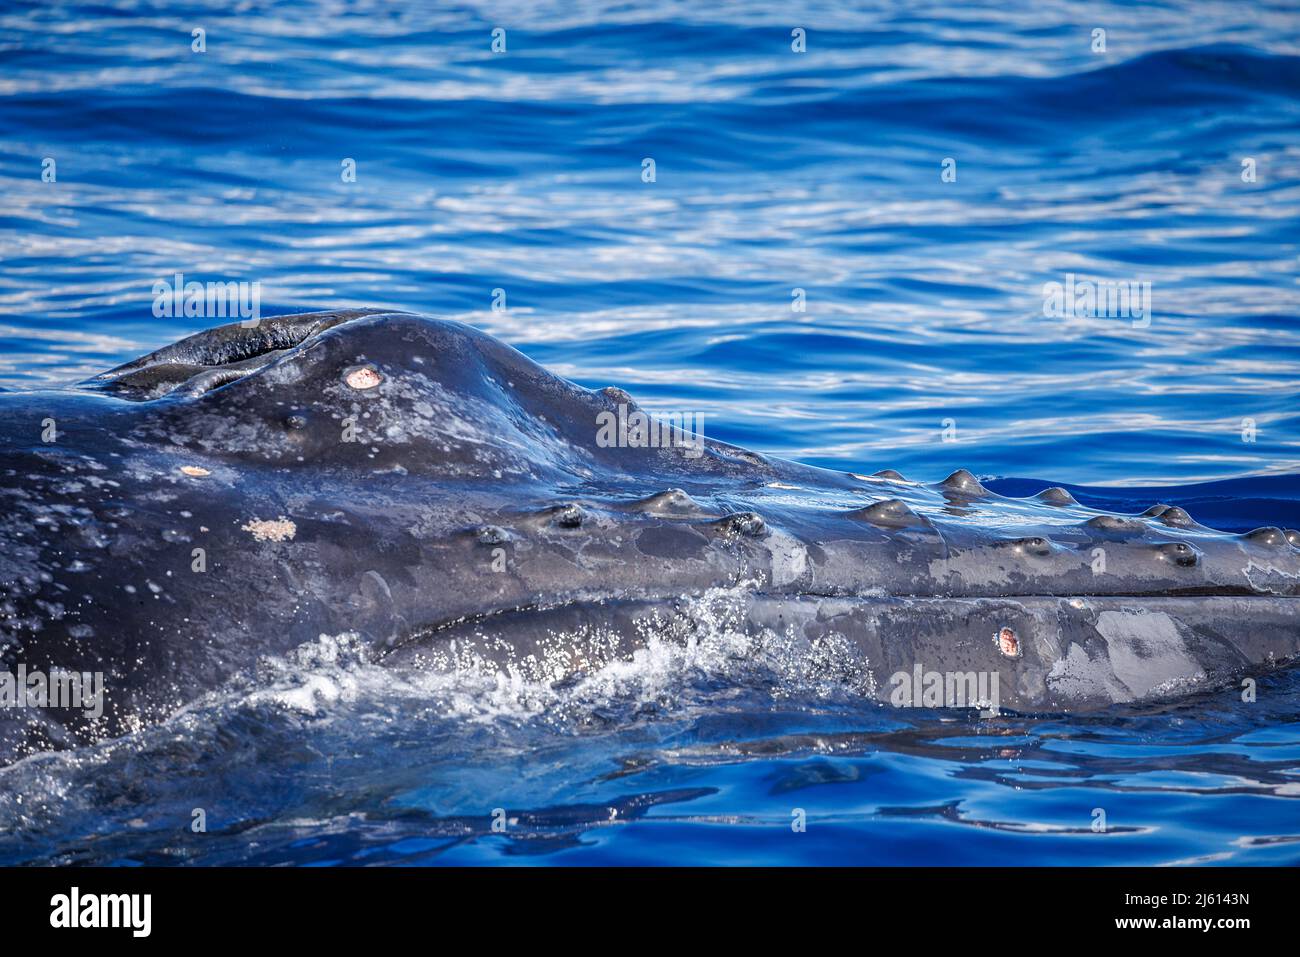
(421, 484)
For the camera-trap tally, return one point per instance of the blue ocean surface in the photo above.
(843, 256)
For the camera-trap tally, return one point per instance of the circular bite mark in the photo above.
(363, 378)
(195, 471)
(1007, 642)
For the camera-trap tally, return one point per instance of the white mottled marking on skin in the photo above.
(1262, 575)
(195, 471)
(279, 530)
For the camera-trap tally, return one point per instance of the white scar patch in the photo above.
(789, 557)
(279, 530)
(1146, 650)
(363, 378)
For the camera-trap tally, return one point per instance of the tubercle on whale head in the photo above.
(963, 484)
(1056, 496)
(891, 513)
(1035, 545)
(1268, 537)
(1180, 553)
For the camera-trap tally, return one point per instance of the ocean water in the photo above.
(801, 273)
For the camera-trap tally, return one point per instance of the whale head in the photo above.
(424, 485)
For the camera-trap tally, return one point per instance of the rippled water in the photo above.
(775, 171)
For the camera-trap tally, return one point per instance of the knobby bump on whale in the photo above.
(420, 483)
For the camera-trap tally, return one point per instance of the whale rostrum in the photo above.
(424, 485)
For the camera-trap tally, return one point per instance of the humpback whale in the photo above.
(423, 485)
